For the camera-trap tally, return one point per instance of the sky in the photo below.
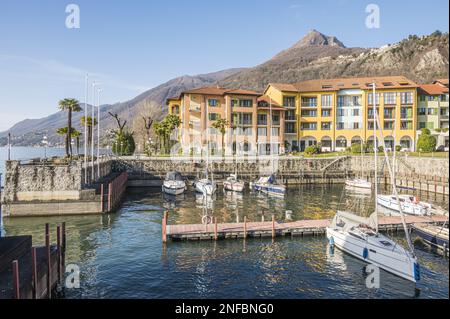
(132, 46)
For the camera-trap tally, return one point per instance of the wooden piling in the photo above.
(273, 226)
(49, 265)
(34, 272)
(16, 281)
(59, 255)
(101, 198)
(215, 228)
(245, 227)
(109, 196)
(164, 225)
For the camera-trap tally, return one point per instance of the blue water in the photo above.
(121, 255)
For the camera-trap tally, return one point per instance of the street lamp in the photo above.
(45, 143)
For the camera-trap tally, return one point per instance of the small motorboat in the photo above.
(174, 184)
(410, 205)
(435, 236)
(268, 185)
(358, 183)
(205, 186)
(233, 184)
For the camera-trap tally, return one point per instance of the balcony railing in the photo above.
(309, 104)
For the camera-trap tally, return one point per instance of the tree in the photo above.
(89, 125)
(64, 132)
(163, 130)
(69, 105)
(426, 142)
(123, 144)
(221, 125)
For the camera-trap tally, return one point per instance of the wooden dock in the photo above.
(28, 272)
(216, 231)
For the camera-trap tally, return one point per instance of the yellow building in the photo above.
(338, 112)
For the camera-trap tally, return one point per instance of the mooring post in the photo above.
(16, 282)
(245, 227)
(215, 228)
(109, 196)
(34, 272)
(101, 197)
(49, 266)
(273, 226)
(164, 225)
(58, 244)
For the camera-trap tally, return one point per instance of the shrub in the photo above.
(356, 148)
(380, 148)
(426, 142)
(398, 148)
(313, 149)
(124, 144)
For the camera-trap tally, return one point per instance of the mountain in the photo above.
(30, 131)
(315, 56)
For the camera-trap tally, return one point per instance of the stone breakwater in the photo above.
(34, 188)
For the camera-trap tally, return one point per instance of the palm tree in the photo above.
(221, 125)
(73, 132)
(160, 131)
(89, 127)
(69, 105)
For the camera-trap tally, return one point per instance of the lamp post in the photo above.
(98, 131)
(94, 84)
(85, 127)
(9, 146)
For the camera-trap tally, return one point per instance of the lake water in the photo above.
(121, 255)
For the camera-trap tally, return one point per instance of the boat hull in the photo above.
(173, 189)
(358, 184)
(397, 264)
(270, 189)
(430, 238)
(205, 187)
(407, 208)
(233, 186)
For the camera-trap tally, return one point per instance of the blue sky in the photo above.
(131, 46)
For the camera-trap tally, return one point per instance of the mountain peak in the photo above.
(315, 38)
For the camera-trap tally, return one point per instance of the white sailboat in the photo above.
(359, 182)
(174, 184)
(232, 183)
(359, 236)
(205, 185)
(269, 184)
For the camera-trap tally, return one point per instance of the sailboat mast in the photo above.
(207, 138)
(271, 132)
(375, 152)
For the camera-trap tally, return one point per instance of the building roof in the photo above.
(432, 89)
(266, 98)
(214, 91)
(362, 83)
(443, 82)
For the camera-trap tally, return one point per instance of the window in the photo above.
(246, 131)
(247, 119)
(290, 128)
(309, 113)
(309, 101)
(406, 112)
(309, 126)
(390, 98)
(275, 131)
(406, 97)
(326, 126)
(340, 125)
(289, 101)
(422, 98)
(326, 113)
(388, 125)
(276, 119)
(290, 115)
(341, 112)
(432, 111)
(212, 102)
(262, 119)
(245, 103)
(262, 131)
(242, 119)
(349, 100)
(444, 97)
(422, 111)
(234, 102)
(370, 99)
(422, 125)
(213, 116)
(388, 114)
(355, 112)
(356, 125)
(327, 100)
(406, 125)
(370, 125)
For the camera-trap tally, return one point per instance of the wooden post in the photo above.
(164, 230)
(16, 281)
(58, 244)
(101, 197)
(273, 226)
(109, 196)
(245, 227)
(49, 265)
(215, 228)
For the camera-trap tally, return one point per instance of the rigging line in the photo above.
(394, 188)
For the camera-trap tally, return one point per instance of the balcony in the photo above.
(195, 108)
(309, 104)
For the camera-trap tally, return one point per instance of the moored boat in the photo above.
(174, 184)
(435, 236)
(268, 185)
(358, 183)
(205, 186)
(233, 184)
